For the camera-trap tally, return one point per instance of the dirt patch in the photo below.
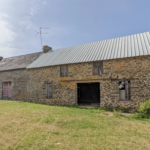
(127, 114)
(110, 114)
(100, 114)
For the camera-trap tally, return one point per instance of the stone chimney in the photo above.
(1, 58)
(46, 49)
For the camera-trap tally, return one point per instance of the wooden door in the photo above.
(7, 90)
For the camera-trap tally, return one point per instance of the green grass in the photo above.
(42, 127)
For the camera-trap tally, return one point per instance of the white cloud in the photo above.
(2, 15)
(7, 35)
(36, 5)
(16, 17)
(25, 23)
(8, 52)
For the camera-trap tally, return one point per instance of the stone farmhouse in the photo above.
(113, 72)
(14, 76)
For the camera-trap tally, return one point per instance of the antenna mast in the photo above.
(41, 34)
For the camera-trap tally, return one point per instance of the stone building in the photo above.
(113, 72)
(14, 77)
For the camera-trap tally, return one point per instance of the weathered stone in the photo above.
(136, 70)
(18, 79)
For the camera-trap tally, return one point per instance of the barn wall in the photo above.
(18, 79)
(64, 89)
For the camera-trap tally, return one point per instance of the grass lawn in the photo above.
(33, 126)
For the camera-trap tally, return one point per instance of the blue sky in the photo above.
(70, 22)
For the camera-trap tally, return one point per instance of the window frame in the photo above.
(126, 88)
(62, 74)
(48, 90)
(99, 67)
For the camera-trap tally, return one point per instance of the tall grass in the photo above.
(34, 126)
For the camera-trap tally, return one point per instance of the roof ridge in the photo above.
(22, 55)
(102, 40)
(18, 62)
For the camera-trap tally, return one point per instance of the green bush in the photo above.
(144, 110)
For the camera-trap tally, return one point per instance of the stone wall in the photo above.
(18, 79)
(64, 89)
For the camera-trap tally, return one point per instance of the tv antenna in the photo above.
(40, 32)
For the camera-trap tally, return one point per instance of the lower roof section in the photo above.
(18, 62)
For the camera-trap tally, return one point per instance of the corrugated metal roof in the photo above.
(128, 46)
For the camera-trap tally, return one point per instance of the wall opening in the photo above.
(7, 90)
(124, 90)
(88, 93)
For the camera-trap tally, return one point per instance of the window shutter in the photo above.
(95, 69)
(95, 72)
(98, 68)
(101, 68)
(64, 71)
(48, 90)
(127, 90)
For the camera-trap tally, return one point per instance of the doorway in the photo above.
(7, 90)
(88, 93)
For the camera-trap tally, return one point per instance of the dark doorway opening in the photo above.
(88, 93)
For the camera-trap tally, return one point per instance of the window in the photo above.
(48, 90)
(64, 71)
(98, 68)
(124, 90)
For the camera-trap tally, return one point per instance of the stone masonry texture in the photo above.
(64, 89)
(18, 79)
(13, 69)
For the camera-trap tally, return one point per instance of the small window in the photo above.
(48, 90)
(98, 68)
(64, 71)
(124, 90)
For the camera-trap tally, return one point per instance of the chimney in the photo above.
(1, 58)
(46, 49)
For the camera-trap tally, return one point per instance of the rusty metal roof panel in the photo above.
(123, 47)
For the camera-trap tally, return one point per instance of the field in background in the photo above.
(35, 126)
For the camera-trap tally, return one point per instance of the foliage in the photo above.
(143, 110)
(117, 113)
(118, 108)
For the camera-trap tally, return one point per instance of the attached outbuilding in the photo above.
(14, 77)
